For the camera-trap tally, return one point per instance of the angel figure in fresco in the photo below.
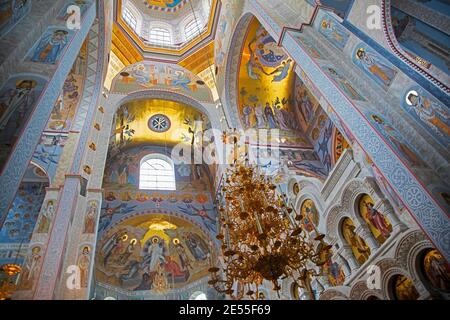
(110, 211)
(50, 47)
(111, 245)
(377, 219)
(46, 218)
(16, 101)
(434, 115)
(282, 71)
(192, 211)
(182, 81)
(373, 65)
(84, 261)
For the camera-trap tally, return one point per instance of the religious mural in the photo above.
(83, 262)
(429, 113)
(90, 218)
(18, 96)
(11, 12)
(306, 104)
(266, 79)
(331, 29)
(343, 84)
(401, 146)
(374, 65)
(46, 217)
(23, 214)
(310, 215)
(227, 22)
(30, 268)
(66, 105)
(334, 271)
(305, 162)
(378, 223)
(155, 253)
(156, 75)
(48, 152)
(358, 245)
(436, 270)
(403, 288)
(340, 144)
(51, 45)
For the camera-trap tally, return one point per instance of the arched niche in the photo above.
(160, 254)
(401, 287)
(434, 272)
(358, 245)
(378, 223)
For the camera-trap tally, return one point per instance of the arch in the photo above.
(419, 65)
(158, 76)
(232, 68)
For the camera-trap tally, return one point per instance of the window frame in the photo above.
(148, 184)
(160, 36)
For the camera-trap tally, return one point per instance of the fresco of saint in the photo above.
(379, 225)
(50, 47)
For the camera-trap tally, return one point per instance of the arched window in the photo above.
(129, 18)
(160, 36)
(157, 173)
(192, 29)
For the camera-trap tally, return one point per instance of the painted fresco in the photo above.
(436, 270)
(332, 30)
(90, 218)
(343, 83)
(17, 98)
(48, 152)
(374, 65)
(401, 146)
(358, 245)
(122, 171)
(404, 289)
(23, 214)
(431, 114)
(333, 271)
(310, 47)
(83, 263)
(66, 105)
(154, 253)
(321, 138)
(304, 162)
(51, 45)
(155, 75)
(266, 79)
(339, 145)
(306, 104)
(30, 269)
(378, 223)
(310, 215)
(230, 13)
(165, 3)
(11, 12)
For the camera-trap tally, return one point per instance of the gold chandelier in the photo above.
(260, 238)
(8, 285)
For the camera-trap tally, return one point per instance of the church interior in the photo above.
(224, 150)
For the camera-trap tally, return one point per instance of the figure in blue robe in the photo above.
(50, 47)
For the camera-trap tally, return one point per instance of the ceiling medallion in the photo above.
(159, 123)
